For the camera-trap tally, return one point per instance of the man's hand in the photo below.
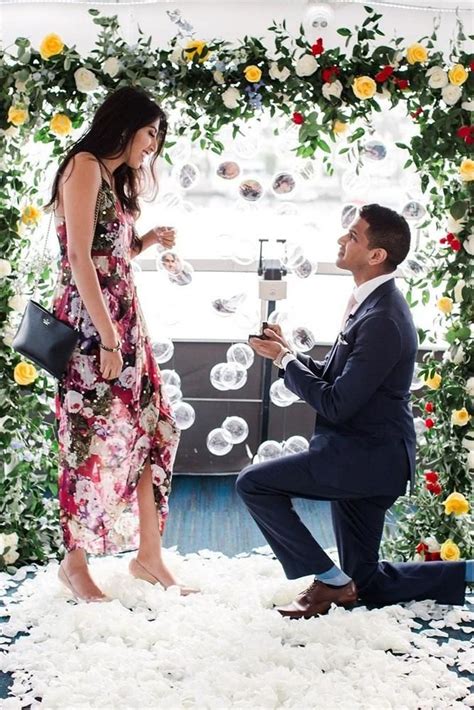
(266, 348)
(274, 333)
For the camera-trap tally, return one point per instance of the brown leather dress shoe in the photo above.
(317, 599)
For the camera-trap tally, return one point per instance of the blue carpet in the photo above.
(206, 513)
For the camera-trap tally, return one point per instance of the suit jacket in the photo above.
(364, 439)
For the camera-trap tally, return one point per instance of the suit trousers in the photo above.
(267, 490)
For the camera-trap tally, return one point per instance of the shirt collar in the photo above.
(361, 292)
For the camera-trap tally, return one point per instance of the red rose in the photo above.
(443, 240)
(434, 488)
(431, 476)
(328, 73)
(455, 244)
(416, 113)
(298, 118)
(402, 83)
(471, 65)
(466, 133)
(450, 237)
(318, 47)
(432, 556)
(383, 75)
(429, 407)
(429, 423)
(421, 548)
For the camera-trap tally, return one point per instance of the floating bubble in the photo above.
(251, 190)
(354, 184)
(417, 382)
(184, 415)
(348, 214)
(420, 429)
(244, 251)
(183, 277)
(413, 211)
(305, 269)
(245, 147)
(295, 445)
(412, 267)
(228, 306)
(242, 354)
(163, 350)
(171, 200)
(283, 184)
(269, 450)
(228, 376)
(228, 170)
(278, 317)
(181, 150)
(186, 175)
(374, 150)
(169, 261)
(280, 395)
(173, 393)
(171, 377)
(237, 429)
(294, 255)
(218, 442)
(303, 338)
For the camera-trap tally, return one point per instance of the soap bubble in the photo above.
(413, 211)
(420, 429)
(228, 306)
(163, 350)
(171, 200)
(374, 149)
(295, 445)
(171, 377)
(303, 339)
(183, 277)
(280, 395)
(218, 442)
(269, 450)
(242, 354)
(228, 376)
(237, 429)
(305, 269)
(294, 255)
(348, 214)
(413, 267)
(417, 382)
(244, 250)
(184, 415)
(186, 175)
(173, 393)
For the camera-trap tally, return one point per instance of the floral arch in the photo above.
(47, 91)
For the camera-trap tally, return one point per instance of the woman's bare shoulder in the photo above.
(83, 166)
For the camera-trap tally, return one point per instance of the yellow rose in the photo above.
(364, 87)
(416, 53)
(52, 44)
(196, 48)
(466, 169)
(445, 305)
(24, 373)
(455, 503)
(17, 115)
(457, 74)
(60, 125)
(460, 417)
(30, 215)
(450, 551)
(433, 382)
(253, 73)
(339, 127)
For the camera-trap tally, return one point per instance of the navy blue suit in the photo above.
(361, 457)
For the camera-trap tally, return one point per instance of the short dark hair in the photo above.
(387, 230)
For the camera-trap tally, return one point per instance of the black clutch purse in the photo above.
(45, 339)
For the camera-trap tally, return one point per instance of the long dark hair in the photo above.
(115, 123)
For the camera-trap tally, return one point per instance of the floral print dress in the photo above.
(109, 429)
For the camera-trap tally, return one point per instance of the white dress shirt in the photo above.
(360, 293)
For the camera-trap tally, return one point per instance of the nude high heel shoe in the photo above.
(64, 578)
(138, 571)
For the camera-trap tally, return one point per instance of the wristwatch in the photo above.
(280, 356)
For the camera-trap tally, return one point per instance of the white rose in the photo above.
(306, 65)
(111, 66)
(5, 268)
(11, 541)
(10, 557)
(18, 302)
(470, 461)
(470, 387)
(12, 131)
(332, 89)
(457, 354)
(231, 97)
(468, 244)
(433, 544)
(218, 77)
(176, 56)
(468, 443)
(451, 94)
(458, 291)
(8, 334)
(278, 74)
(20, 85)
(437, 77)
(2, 543)
(468, 105)
(86, 81)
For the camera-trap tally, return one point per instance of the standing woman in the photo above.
(117, 436)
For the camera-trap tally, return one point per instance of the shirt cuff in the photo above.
(289, 357)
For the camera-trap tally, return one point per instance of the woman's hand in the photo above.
(110, 364)
(166, 236)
